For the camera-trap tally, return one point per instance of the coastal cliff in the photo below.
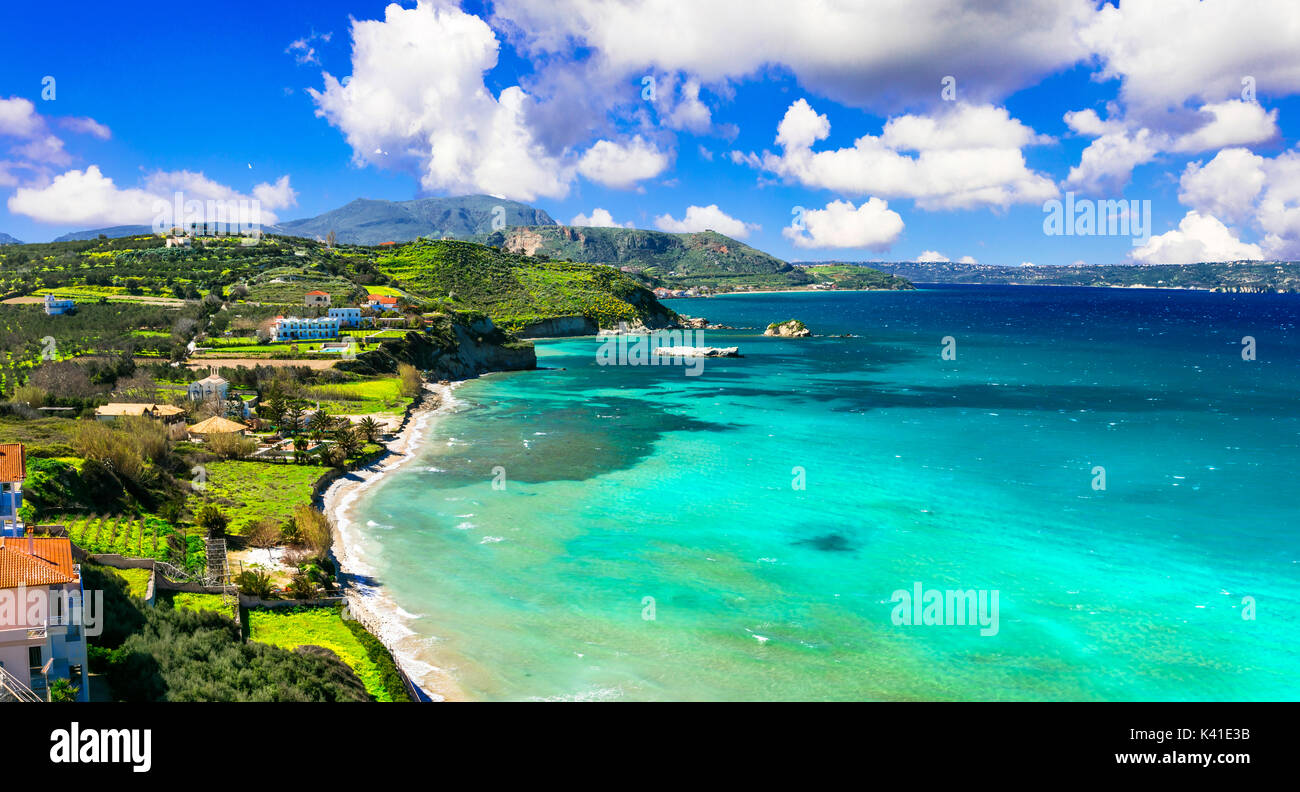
(451, 347)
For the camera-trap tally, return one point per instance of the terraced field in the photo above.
(135, 537)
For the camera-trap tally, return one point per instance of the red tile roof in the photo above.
(381, 298)
(41, 561)
(13, 462)
(315, 293)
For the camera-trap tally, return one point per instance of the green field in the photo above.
(254, 491)
(130, 536)
(361, 398)
(184, 600)
(291, 628)
(137, 580)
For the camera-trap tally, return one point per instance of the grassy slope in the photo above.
(517, 290)
(256, 490)
(317, 627)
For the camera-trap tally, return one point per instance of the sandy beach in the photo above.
(367, 600)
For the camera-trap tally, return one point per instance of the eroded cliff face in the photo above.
(451, 348)
(560, 327)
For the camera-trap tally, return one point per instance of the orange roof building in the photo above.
(32, 561)
(47, 642)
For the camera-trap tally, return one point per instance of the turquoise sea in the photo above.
(646, 538)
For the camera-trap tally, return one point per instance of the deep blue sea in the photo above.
(631, 532)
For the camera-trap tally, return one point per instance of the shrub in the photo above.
(411, 381)
(95, 440)
(61, 690)
(301, 586)
(229, 445)
(314, 527)
(253, 583)
(212, 520)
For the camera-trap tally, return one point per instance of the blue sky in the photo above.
(1189, 105)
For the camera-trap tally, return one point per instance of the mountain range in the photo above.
(5, 239)
(370, 222)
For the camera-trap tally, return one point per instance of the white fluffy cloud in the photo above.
(622, 165)
(599, 218)
(1249, 189)
(1198, 238)
(931, 256)
(1107, 164)
(88, 197)
(1226, 186)
(1170, 53)
(417, 92)
(967, 156)
(32, 146)
(417, 100)
(883, 54)
(705, 218)
(872, 225)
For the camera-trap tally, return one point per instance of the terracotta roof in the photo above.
(13, 462)
(127, 408)
(217, 425)
(381, 298)
(316, 293)
(35, 562)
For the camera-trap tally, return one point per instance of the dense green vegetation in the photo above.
(515, 290)
(291, 628)
(170, 654)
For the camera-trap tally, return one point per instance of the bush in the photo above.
(301, 586)
(97, 441)
(253, 583)
(212, 520)
(314, 528)
(229, 445)
(61, 690)
(411, 381)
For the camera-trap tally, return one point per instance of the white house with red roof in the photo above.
(381, 302)
(42, 637)
(313, 298)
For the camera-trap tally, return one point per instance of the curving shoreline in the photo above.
(368, 603)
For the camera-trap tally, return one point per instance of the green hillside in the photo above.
(519, 291)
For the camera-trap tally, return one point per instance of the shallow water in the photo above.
(650, 539)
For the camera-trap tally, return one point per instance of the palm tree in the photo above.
(369, 429)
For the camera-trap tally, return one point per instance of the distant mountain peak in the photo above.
(6, 239)
(369, 221)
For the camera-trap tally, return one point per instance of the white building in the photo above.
(211, 386)
(292, 328)
(43, 640)
(348, 317)
(55, 306)
(312, 298)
